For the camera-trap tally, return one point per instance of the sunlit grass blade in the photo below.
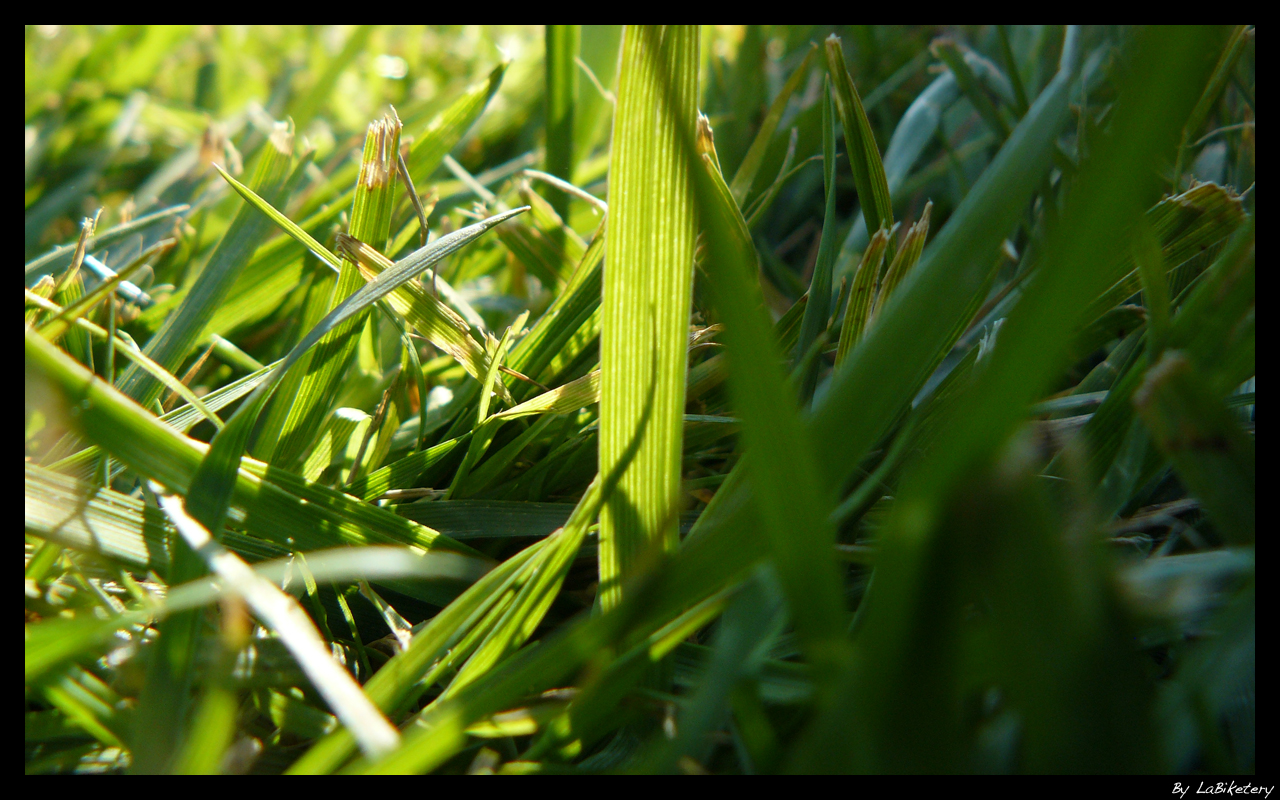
(134, 355)
(647, 296)
(183, 327)
(324, 367)
(282, 614)
(562, 45)
(433, 319)
(279, 506)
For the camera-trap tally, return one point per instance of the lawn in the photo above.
(659, 399)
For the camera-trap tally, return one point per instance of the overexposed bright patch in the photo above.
(393, 67)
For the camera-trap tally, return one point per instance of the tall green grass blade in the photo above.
(818, 309)
(791, 494)
(860, 142)
(137, 357)
(647, 297)
(562, 93)
(324, 367)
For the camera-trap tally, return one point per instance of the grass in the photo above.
(723, 399)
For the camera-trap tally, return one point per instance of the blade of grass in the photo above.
(562, 45)
(182, 328)
(860, 142)
(647, 296)
(745, 177)
(818, 309)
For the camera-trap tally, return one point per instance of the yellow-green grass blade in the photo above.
(133, 354)
(745, 177)
(647, 296)
(444, 131)
(479, 480)
(860, 142)
(484, 429)
(433, 319)
(565, 399)
(904, 260)
(282, 614)
(546, 574)
(183, 328)
(324, 367)
(182, 418)
(395, 682)
(653, 620)
(724, 550)
(401, 473)
(569, 326)
(284, 223)
(862, 294)
(333, 441)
